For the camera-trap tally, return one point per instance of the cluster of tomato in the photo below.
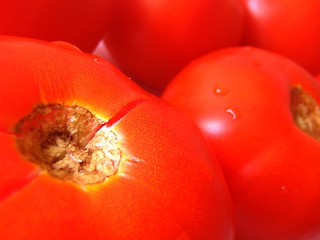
(227, 150)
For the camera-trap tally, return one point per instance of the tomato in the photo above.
(288, 27)
(152, 40)
(87, 154)
(260, 113)
(80, 22)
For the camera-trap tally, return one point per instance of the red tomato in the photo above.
(107, 160)
(260, 113)
(152, 40)
(289, 27)
(80, 22)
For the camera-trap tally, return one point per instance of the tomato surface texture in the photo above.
(87, 154)
(260, 113)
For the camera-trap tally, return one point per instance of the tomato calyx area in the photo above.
(305, 111)
(70, 143)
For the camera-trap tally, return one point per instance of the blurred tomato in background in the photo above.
(289, 27)
(81, 23)
(152, 40)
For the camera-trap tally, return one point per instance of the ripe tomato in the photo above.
(152, 40)
(260, 113)
(80, 22)
(289, 27)
(107, 160)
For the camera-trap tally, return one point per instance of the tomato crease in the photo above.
(16, 186)
(123, 112)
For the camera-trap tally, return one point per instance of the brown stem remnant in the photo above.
(306, 112)
(70, 143)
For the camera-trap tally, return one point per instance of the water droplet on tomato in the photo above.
(97, 61)
(284, 189)
(233, 113)
(220, 91)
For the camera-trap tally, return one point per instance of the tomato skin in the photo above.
(80, 22)
(240, 99)
(166, 188)
(152, 40)
(290, 28)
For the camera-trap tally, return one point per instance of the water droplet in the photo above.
(233, 113)
(97, 61)
(221, 91)
(284, 189)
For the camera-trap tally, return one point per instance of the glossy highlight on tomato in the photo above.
(87, 154)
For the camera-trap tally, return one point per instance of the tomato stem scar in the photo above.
(305, 111)
(70, 143)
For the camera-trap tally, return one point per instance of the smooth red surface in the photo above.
(82, 23)
(169, 185)
(289, 27)
(240, 98)
(152, 40)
